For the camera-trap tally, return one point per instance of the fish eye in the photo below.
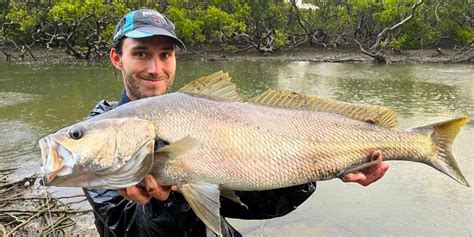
(76, 132)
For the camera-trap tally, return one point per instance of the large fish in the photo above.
(217, 146)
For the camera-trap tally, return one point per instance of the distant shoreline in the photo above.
(318, 55)
(337, 55)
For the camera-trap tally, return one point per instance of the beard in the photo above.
(137, 91)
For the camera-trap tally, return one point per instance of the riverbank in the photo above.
(344, 55)
(319, 55)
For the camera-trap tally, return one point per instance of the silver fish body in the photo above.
(242, 146)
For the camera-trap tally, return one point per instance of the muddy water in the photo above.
(413, 199)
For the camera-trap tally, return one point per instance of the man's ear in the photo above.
(116, 59)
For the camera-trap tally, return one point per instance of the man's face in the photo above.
(148, 66)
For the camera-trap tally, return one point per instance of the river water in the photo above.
(412, 199)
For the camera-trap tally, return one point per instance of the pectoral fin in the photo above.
(204, 199)
(180, 147)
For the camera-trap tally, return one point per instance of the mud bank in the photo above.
(334, 55)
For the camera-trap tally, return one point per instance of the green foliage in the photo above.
(87, 14)
(3, 9)
(229, 48)
(188, 29)
(465, 34)
(198, 23)
(83, 27)
(280, 38)
(23, 18)
(219, 22)
(216, 21)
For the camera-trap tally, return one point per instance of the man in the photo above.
(144, 50)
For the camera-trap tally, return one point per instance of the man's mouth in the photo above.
(153, 81)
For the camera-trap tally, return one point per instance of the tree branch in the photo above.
(387, 31)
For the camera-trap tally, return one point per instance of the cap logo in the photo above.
(151, 13)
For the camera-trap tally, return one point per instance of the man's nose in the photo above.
(154, 65)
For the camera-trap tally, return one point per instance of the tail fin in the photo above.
(443, 135)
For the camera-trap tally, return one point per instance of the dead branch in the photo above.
(28, 49)
(243, 49)
(56, 225)
(9, 56)
(363, 50)
(7, 170)
(265, 45)
(36, 198)
(296, 44)
(3, 230)
(387, 32)
(377, 57)
(23, 223)
(23, 50)
(51, 211)
(377, 50)
(295, 10)
(438, 25)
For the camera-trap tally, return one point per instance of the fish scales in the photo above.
(289, 146)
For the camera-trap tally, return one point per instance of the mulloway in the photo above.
(219, 144)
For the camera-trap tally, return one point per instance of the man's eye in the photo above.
(141, 54)
(165, 55)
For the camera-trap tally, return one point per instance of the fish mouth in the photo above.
(56, 160)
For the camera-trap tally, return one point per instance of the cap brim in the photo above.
(144, 32)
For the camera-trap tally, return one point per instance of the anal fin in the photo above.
(204, 199)
(229, 194)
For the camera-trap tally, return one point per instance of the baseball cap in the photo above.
(145, 23)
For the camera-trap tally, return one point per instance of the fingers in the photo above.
(161, 193)
(175, 188)
(136, 194)
(376, 173)
(147, 189)
(370, 174)
(377, 155)
(354, 177)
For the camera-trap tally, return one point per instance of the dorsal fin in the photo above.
(378, 115)
(217, 85)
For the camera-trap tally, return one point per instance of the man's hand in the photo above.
(370, 174)
(142, 195)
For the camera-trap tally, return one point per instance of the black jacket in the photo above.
(116, 216)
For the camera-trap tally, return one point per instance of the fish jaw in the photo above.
(56, 160)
